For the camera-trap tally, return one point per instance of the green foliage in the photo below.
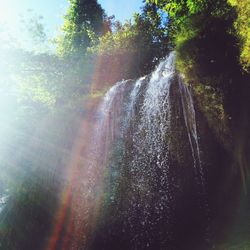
(83, 24)
(180, 12)
(242, 26)
(179, 8)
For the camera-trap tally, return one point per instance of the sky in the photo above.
(122, 9)
(53, 11)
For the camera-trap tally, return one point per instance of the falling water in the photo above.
(149, 162)
(109, 117)
(135, 180)
(190, 121)
(131, 112)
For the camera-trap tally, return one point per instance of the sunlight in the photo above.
(10, 25)
(6, 12)
(9, 16)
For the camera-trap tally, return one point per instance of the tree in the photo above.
(83, 24)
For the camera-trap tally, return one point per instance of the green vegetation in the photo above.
(242, 26)
(83, 24)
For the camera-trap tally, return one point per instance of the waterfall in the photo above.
(140, 183)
